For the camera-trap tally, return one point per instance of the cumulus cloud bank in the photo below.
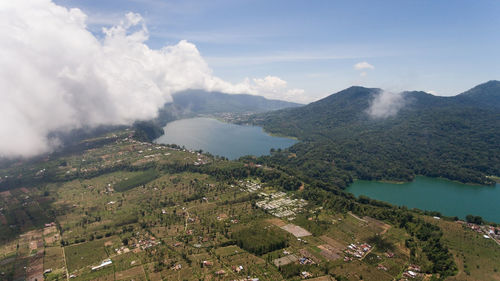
(56, 75)
(386, 104)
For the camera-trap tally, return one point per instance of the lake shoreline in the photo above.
(278, 135)
(222, 138)
(450, 198)
(496, 179)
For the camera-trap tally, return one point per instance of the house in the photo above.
(238, 269)
(305, 274)
(207, 263)
(414, 267)
(177, 267)
(381, 267)
(365, 247)
(412, 274)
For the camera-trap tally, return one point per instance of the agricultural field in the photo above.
(477, 258)
(126, 210)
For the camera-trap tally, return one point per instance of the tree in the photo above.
(474, 219)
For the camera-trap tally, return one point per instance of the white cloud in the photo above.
(386, 104)
(363, 65)
(56, 75)
(271, 87)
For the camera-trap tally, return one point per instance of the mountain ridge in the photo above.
(191, 103)
(449, 137)
(486, 94)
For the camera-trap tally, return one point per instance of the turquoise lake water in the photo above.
(223, 139)
(433, 194)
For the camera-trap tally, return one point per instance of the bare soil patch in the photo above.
(277, 222)
(329, 252)
(49, 230)
(35, 269)
(340, 247)
(296, 230)
(3, 220)
(285, 260)
(5, 194)
(379, 224)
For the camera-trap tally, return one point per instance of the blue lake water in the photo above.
(219, 138)
(433, 194)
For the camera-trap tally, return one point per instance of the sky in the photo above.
(443, 47)
(70, 64)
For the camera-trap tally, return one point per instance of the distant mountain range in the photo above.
(369, 134)
(197, 102)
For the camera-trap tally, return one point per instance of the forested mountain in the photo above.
(369, 134)
(197, 102)
(487, 95)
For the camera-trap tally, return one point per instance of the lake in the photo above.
(433, 194)
(223, 139)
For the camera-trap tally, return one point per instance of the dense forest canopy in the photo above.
(452, 137)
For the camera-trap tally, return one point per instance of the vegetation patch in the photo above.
(141, 179)
(258, 240)
(85, 254)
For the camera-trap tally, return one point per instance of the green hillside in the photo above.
(452, 137)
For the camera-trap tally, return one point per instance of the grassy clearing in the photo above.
(53, 258)
(228, 251)
(127, 261)
(477, 258)
(137, 180)
(85, 254)
(135, 273)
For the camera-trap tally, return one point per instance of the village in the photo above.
(358, 250)
(487, 231)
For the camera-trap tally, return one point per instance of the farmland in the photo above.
(127, 210)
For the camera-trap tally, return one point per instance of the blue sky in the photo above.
(445, 47)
